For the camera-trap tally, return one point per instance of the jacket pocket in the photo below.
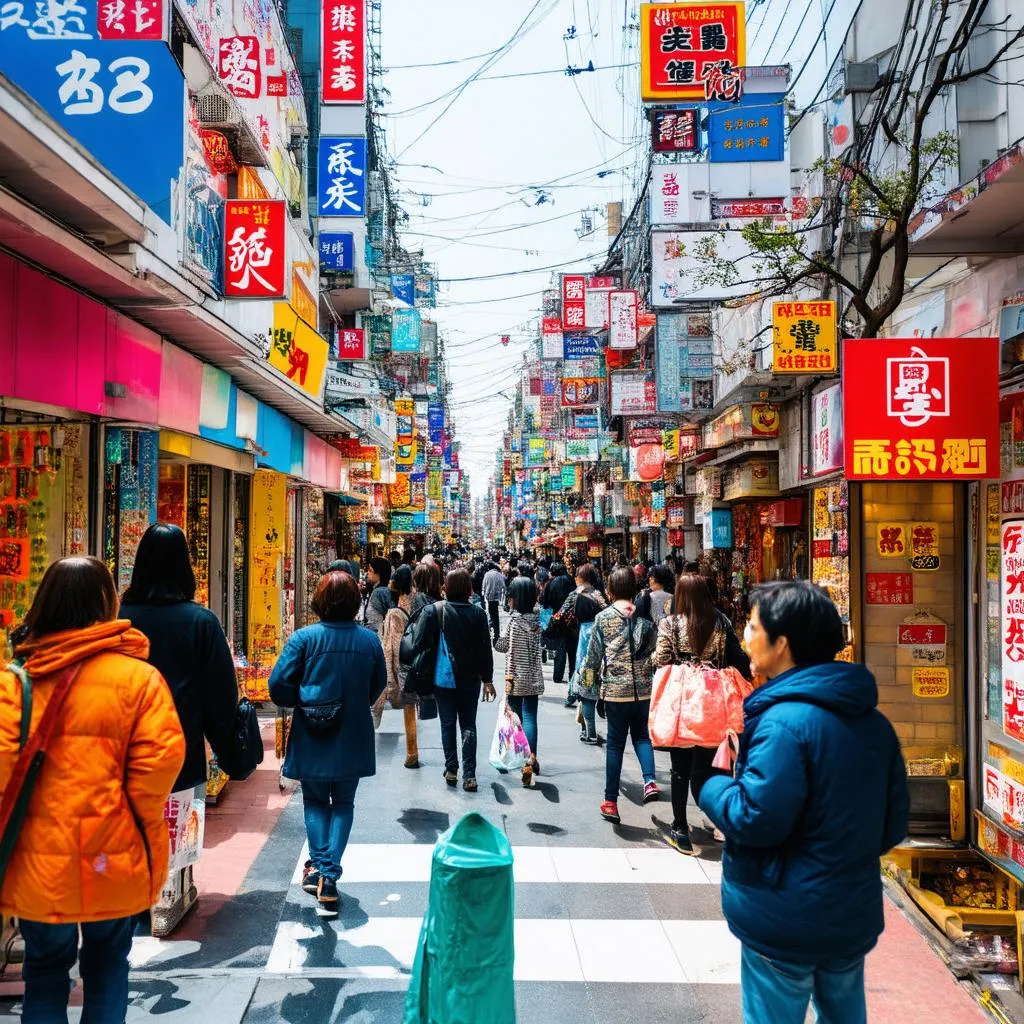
(754, 866)
(113, 864)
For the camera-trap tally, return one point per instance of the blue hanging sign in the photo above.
(405, 330)
(435, 422)
(337, 251)
(580, 346)
(752, 130)
(403, 288)
(341, 176)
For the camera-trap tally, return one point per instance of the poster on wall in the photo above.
(827, 431)
(1011, 602)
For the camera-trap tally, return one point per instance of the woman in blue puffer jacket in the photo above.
(820, 793)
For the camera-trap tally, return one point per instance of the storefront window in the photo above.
(830, 548)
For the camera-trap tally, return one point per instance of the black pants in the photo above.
(691, 768)
(459, 705)
(492, 611)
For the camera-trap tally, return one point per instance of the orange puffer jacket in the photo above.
(94, 844)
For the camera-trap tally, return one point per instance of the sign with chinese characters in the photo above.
(827, 430)
(185, 815)
(297, 350)
(888, 588)
(551, 344)
(750, 131)
(580, 391)
(891, 540)
(132, 19)
(930, 682)
(341, 181)
(405, 330)
(925, 637)
(574, 302)
(403, 288)
(343, 51)
(254, 248)
(633, 393)
(337, 251)
(351, 343)
(804, 337)
(239, 66)
(738, 209)
(675, 131)
(596, 314)
(667, 207)
(925, 409)
(924, 546)
(1011, 580)
(691, 51)
(623, 307)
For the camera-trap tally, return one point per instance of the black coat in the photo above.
(468, 635)
(555, 593)
(188, 648)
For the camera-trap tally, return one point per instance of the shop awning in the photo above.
(348, 498)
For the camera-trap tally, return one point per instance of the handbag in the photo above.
(31, 755)
(323, 719)
(426, 709)
(245, 744)
(444, 666)
(421, 659)
(695, 705)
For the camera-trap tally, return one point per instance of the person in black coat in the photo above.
(559, 587)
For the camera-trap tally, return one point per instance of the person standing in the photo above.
(188, 648)
(524, 672)
(493, 592)
(380, 601)
(94, 852)
(559, 587)
(426, 589)
(472, 667)
(820, 793)
(332, 673)
(392, 631)
(577, 616)
(618, 660)
(700, 633)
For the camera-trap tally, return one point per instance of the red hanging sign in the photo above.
(218, 152)
(131, 20)
(239, 66)
(254, 248)
(574, 302)
(343, 50)
(277, 85)
(920, 634)
(351, 343)
(675, 131)
(888, 588)
(924, 408)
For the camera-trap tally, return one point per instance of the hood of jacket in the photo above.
(839, 686)
(56, 651)
(528, 620)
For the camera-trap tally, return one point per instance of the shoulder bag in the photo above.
(245, 744)
(444, 666)
(32, 753)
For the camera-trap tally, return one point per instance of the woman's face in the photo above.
(766, 658)
(372, 576)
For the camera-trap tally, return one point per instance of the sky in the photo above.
(509, 137)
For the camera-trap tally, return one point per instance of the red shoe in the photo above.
(610, 812)
(651, 792)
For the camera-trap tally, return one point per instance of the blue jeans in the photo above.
(777, 992)
(50, 953)
(626, 719)
(328, 807)
(526, 709)
(589, 709)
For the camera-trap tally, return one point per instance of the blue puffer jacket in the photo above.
(820, 794)
(324, 664)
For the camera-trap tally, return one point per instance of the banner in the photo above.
(804, 337)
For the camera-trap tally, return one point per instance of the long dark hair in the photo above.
(693, 602)
(162, 573)
(75, 593)
(522, 595)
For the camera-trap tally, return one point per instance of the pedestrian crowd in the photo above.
(801, 777)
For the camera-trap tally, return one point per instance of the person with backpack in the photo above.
(558, 588)
(524, 672)
(698, 632)
(575, 620)
(380, 601)
(395, 623)
(618, 660)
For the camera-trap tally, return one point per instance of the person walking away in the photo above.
(380, 601)
(476, 598)
(94, 852)
(698, 632)
(472, 668)
(188, 648)
(559, 587)
(654, 602)
(524, 672)
(618, 659)
(425, 589)
(587, 602)
(493, 592)
(331, 672)
(819, 794)
(395, 623)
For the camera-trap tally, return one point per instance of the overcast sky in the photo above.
(507, 134)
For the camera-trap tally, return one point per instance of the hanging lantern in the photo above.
(505, 339)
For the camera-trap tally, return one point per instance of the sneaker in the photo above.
(310, 878)
(327, 894)
(452, 778)
(570, 702)
(651, 792)
(610, 812)
(527, 775)
(592, 741)
(679, 839)
(469, 785)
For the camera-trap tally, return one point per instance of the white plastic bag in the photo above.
(510, 750)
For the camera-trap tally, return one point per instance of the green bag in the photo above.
(463, 968)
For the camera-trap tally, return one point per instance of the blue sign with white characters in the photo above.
(752, 130)
(580, 346)
(403, 288)
(337, 250)
(718, 528)
(341, 176)
(122, 101)
(405, 330)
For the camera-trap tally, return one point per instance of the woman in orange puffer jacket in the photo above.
(93, 849)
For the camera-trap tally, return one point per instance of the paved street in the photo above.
(611, 924)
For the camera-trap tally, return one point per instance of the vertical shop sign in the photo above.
(551, 338)
(267, 539)
(239, 66)
(1011, 580)
(804, 337)
(827, 431)
(925, 409)
(574, 302)
(675, 131)
(343, 51)
(924, 546)
(351, 343)
(137, 19)
(405, 330)
(623, 308)
(341, 178)
(691, 51)
(254, 248)
(596, 315)
(337, 251)
(403, 288)
(435, 422)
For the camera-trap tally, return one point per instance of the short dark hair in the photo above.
(424, 580)
(663, 574)
(804, 614)
(162, 573)
(622, 585)
(589, 574)
(457, 585)
(337, 597)
(401, 580)
(382, 567)
(75, 593)
(522, 595)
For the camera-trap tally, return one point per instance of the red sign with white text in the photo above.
(888, 588)
(920, 634)
(239, 66)
(343, 50)
(574, 302)
(131, 20)
(921, 408)
(351, 343)
(254, 250)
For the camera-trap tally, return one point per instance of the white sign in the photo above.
(622, 319)
(597, 309)
(918, 387)
(633, 393)
(581, 449)
(670, 203)
(687, 266)
(827, 431)
(551, 345)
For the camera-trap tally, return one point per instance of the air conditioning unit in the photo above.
(216, 111)
(862, 77)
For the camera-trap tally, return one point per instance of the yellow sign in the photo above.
(924, 546)
(891, 541)
(805, 338)
(670, 442)
(405, 407)
(992, 515)
(930, 682)
(400, 492)
(267, 529)
(297, 350)
(405, 454)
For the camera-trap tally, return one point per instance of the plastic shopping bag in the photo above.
(510, 750)
(694, 705)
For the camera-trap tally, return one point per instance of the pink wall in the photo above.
(181, 389)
